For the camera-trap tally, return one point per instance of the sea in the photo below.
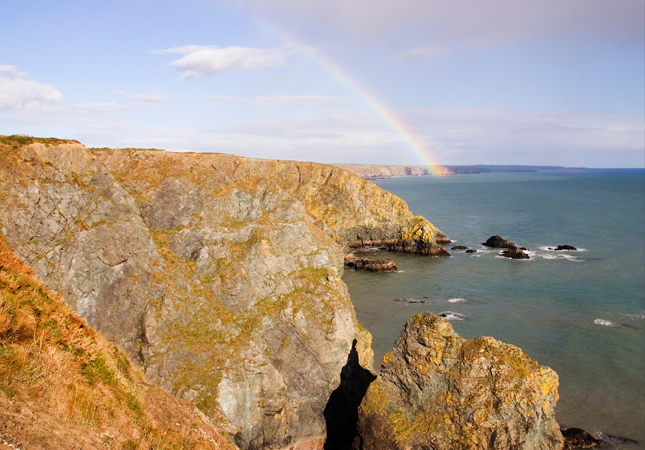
(580, 312)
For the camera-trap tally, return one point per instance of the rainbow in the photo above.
(370, 100)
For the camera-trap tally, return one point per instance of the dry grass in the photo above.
(63, 386)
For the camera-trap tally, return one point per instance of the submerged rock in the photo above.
(374, 265)
(498, 242)
(470, 250)
(514, 252)
(439, 391)
(459, 247)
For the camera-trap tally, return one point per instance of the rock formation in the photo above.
(564, 247)
(219, 274)
(372, 172)
(514, 252)
(439, 391)
(64, 387)
(576, 438)
(374, 265)
(498, 242)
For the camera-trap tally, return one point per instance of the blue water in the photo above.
(580, 312)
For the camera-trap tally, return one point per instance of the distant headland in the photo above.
(376, 171)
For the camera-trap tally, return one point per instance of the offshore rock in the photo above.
(439, 391)
(421, 239)
(565, 247)
(374, 265)
(498, 242)
(578, 438)
(514, 252)
(220, 275)
(459, 247)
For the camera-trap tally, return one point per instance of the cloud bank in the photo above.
(209, 60)
(18, 94)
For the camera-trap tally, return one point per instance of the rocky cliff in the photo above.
(63, 386)
(439, 391)
(219, 274)
(372, 171)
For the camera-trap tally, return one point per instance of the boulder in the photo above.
(577, 438)
(439, 391)
(470, 250)
(514, 252)
(498, 242)
(374, 265)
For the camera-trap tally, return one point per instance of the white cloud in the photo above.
(146, 98)
(18, 94)
(278, 100)
(209, 60)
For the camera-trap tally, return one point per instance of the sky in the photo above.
(431, 82)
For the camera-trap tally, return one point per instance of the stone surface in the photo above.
(439, 391)
(498, 242)
(373, 265)
(578, 438)
(565, 247)
(514, 252)
(219, 274)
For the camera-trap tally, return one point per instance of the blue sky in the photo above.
(470, 82)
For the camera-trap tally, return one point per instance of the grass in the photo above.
(54, 364)
(20, 140)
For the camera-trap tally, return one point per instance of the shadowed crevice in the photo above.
(341, 412)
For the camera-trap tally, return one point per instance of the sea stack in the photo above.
(439, 391)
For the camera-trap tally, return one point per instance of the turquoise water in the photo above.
(581, 312)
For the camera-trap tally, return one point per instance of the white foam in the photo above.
(450, 315)
(634, 316)
(457, 300)
(603, 322)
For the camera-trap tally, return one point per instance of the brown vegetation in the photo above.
(63, 386)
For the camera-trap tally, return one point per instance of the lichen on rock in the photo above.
(220, 275)
(439, 391)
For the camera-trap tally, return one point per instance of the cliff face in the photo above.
(372, 172)
(63, 386)
(439, 391)
(220, 274)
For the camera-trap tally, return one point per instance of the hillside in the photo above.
(63, 386)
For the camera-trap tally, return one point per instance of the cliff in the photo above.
(439, 391)
(374, 171)
(64, 386)
(220, 275)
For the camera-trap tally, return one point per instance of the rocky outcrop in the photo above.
(219, 274)
(576, 438)
(373, 172)
(439, 391)
(514, 252)
(564, 247)
(64, 387)
(498, 242)
(459, 247)
(372, 265)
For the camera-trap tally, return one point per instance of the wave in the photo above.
(634, 316)
(603, 322)
(450, 315)
(457, 300)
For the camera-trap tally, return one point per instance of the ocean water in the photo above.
(581, 312)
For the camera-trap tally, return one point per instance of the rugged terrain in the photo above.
(219, 275)
(63, 386)
(439, 391)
